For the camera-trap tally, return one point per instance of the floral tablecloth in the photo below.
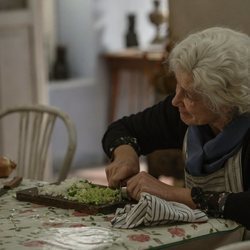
(24, 225)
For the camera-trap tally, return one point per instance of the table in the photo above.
(24, 225)
(133, 60)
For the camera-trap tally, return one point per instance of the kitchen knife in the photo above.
(124, 193)
(10, 185)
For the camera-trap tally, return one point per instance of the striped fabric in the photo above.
(229, 178)
(151, 211)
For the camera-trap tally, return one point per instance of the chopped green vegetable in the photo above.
(86, 192)
(82, 190)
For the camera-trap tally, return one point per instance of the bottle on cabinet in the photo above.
(60, 68)
(131, 39)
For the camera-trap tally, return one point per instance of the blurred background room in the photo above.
(98, 60)
(88, 30)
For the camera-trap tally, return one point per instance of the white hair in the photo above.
(219, 61)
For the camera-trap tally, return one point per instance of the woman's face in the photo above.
(193, 109)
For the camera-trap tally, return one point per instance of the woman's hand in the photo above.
(124, 165)
(143, 182)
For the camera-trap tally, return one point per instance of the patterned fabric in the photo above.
(212, 203)
(215, 187)
(28, 226)
(151, 211)
(226, 179)
(208, 153)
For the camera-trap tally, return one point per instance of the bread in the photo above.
(6, 166)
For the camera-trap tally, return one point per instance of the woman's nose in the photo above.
(177, 98)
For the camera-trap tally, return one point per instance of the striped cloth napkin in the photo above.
(151, 211)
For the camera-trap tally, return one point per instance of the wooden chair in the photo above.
(33, 126)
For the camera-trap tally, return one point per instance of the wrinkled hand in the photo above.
(125, 165)
(119, 171)
(144, 182)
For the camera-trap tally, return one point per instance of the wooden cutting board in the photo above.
(32, 195)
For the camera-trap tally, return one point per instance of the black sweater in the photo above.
(160, 127)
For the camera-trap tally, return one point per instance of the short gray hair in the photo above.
(219, 61)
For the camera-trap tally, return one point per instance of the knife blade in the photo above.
(10, 184)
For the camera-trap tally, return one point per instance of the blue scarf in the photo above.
(206, 153)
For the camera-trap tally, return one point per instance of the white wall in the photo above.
(83, 101)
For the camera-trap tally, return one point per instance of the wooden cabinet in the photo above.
(140, 67)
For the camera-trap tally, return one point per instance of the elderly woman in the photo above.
(208, 117)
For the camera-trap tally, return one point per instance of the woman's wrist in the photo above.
(126, 140)
(181, 195)
(125, 152)
(126, 156)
